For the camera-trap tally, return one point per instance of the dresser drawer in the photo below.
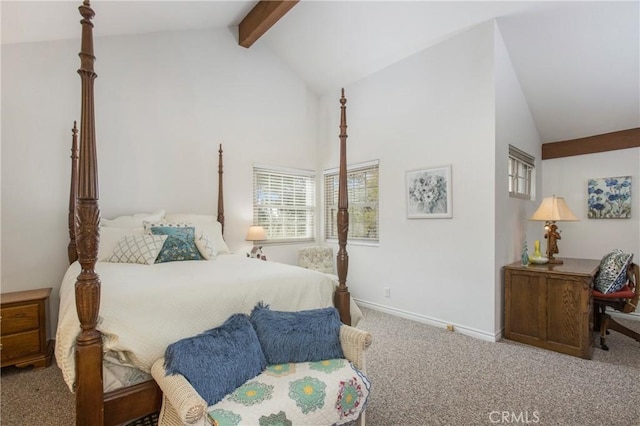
(20, 318)
(20, 345)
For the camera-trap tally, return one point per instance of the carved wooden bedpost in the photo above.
(72, 251)
(220, 194)
(89, 388)
(342, 297)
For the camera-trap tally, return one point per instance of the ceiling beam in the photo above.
(600, 143)
(262, 17)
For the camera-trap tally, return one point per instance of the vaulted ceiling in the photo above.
(578, 61)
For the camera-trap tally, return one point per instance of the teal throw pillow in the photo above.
(180, 243)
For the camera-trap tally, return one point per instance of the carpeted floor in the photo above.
(422, 375)
(150, 420)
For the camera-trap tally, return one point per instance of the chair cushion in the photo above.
(219, 360)
(311, 335)
(612, 275)
(327, 392)
(624, 293)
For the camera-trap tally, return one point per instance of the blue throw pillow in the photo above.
(180, 243)
(312, 335)
(219, 360)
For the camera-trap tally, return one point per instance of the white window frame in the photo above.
(331, 203)
(284, 203)
(522, 174)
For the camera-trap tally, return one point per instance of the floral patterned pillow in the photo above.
(180, 243)
(612, 275)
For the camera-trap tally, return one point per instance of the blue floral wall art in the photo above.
(609, 198)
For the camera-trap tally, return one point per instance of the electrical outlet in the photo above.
(387, 292)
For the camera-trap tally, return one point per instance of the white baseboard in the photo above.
(478, 334)
(632, 316)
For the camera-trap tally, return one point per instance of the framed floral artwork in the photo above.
(428, 193)
(609, 198)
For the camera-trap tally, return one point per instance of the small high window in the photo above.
(521, 174)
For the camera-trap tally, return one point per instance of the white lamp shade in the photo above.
(256, 233)
(553, 209)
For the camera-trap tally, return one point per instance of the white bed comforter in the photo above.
(144, 308)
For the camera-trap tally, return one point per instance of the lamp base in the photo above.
(555, 261)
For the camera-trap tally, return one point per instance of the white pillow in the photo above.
(133, 221)
(205, 224)
(148, 225)
(206, 247)
(141, 249)
(109, 238)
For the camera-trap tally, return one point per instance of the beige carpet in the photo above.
(422, 375)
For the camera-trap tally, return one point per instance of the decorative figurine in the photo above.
(525, 256)
(256, 253)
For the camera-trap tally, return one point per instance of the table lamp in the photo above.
(553, 209)
(256, 233)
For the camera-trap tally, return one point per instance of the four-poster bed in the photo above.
(94, 406)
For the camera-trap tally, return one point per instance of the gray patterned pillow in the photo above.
(141, 249)
(206, 247)
(612, 275)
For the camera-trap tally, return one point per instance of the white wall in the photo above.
(434, 108)
(163, 104)
(514, 126)
(165, 101)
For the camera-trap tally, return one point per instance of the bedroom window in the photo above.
(362, 187)
(521, 174)
(284, 203)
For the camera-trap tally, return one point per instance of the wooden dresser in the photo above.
(24, 320)
(551, 306)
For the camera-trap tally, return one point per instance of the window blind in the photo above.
(284, 203)
(362, 188)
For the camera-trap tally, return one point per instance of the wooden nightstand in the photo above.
(24, 317)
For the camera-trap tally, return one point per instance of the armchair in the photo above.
(318, 258)
(624, 300)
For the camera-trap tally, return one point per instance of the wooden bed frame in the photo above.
(93, 405)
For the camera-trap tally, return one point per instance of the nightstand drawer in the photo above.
(24, 328)
(20, 345)
(20, 318)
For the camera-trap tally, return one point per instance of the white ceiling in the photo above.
(578, 61)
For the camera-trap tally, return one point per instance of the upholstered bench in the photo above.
(317, 392)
